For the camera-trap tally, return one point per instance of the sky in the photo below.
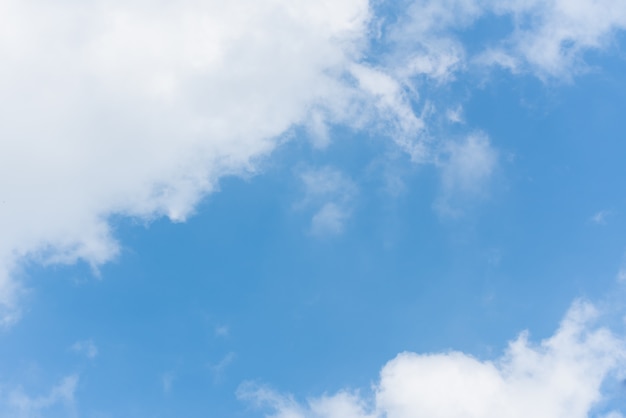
(313, 209)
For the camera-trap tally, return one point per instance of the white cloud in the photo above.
(87, 348)
(427, 45)
(329, 220)
(548, 37)
(60, 399)
(127, 108)
(561, 377)
(331, 194)
(551, 37)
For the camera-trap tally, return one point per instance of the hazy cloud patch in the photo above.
(87, 348)
(330, 194)
(60, 399)
(466, 166)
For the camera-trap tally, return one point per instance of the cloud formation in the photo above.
(136, 109)
(550, 37)
(331, 194)
(561, 377)
(127, 108)
(86, 348)
(546, 37)
(60, 401)
(465, 166)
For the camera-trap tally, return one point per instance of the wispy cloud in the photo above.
(220, 367)
(330, 193)
(550, 37)
(86, 348)
(455, 114)
(222, 331)
(466, 167)
(20, 405)
(144, 112)
(561, 377)
(600, 217)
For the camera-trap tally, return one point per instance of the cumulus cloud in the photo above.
(330, 193)
(135, 109)
(127, 108)
(58, 402)
(220, 367)
(561, 377)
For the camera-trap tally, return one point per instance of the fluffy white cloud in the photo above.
(133, 108)
(561, 377)
(137, 108)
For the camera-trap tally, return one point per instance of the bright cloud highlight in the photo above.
(133, 109)
(561, 377)
(124, 108)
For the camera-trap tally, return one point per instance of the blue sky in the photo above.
(331, 209)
